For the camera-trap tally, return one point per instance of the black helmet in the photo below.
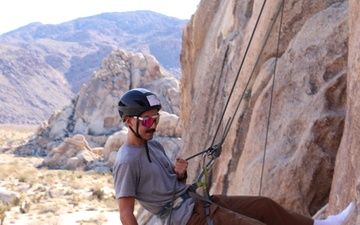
(136, 101)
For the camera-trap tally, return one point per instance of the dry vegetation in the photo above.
(13, 134)
(52, 197)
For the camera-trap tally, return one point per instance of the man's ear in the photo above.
(128, 121)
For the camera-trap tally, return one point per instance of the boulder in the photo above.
(73, 153)
(8, 197)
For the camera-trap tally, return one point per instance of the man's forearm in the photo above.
(128, 219)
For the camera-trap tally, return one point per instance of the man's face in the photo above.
(147, 124)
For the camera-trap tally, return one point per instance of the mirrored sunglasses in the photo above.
(148, 121)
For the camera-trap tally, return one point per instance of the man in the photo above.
(142, 171)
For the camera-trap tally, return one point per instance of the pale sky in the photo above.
(18, 13)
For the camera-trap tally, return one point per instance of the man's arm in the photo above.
(126, 209)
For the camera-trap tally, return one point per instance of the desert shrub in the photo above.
(111, 203)
(16, 201)
(98, 193)
(75, 200)
(98, 219)
(22, 179)
(3, 209)
(25, 206)
(48, 208)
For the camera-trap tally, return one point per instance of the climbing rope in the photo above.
(237, 77)
(281, 7)
(231, 119)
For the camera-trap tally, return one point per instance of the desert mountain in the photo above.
(42, 67)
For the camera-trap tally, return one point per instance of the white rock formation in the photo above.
(88, 133)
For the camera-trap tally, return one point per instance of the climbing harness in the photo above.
(172, 205)
(213, 152)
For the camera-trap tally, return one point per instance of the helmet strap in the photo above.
(137, 130)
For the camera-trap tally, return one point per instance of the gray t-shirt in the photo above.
(152, 184)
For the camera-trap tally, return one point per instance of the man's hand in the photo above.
(180, 168)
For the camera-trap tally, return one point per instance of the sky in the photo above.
(18, 13)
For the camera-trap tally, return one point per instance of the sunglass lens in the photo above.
(148, 122)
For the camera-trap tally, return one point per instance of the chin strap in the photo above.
(139, 136)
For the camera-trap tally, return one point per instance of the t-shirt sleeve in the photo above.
(124, 180)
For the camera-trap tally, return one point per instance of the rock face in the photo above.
(88, 133)
(294, 99)
(346, 184)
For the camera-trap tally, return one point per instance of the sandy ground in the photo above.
(56, 197)
(81, 217)
(14, 134)
(51, 197)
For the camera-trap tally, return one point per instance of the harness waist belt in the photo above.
(176, 204)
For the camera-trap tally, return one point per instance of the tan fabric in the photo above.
(246, 210)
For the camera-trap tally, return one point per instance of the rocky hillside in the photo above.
(295, 135)
(42, 67)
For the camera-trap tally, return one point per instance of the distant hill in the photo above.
(43, 66)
